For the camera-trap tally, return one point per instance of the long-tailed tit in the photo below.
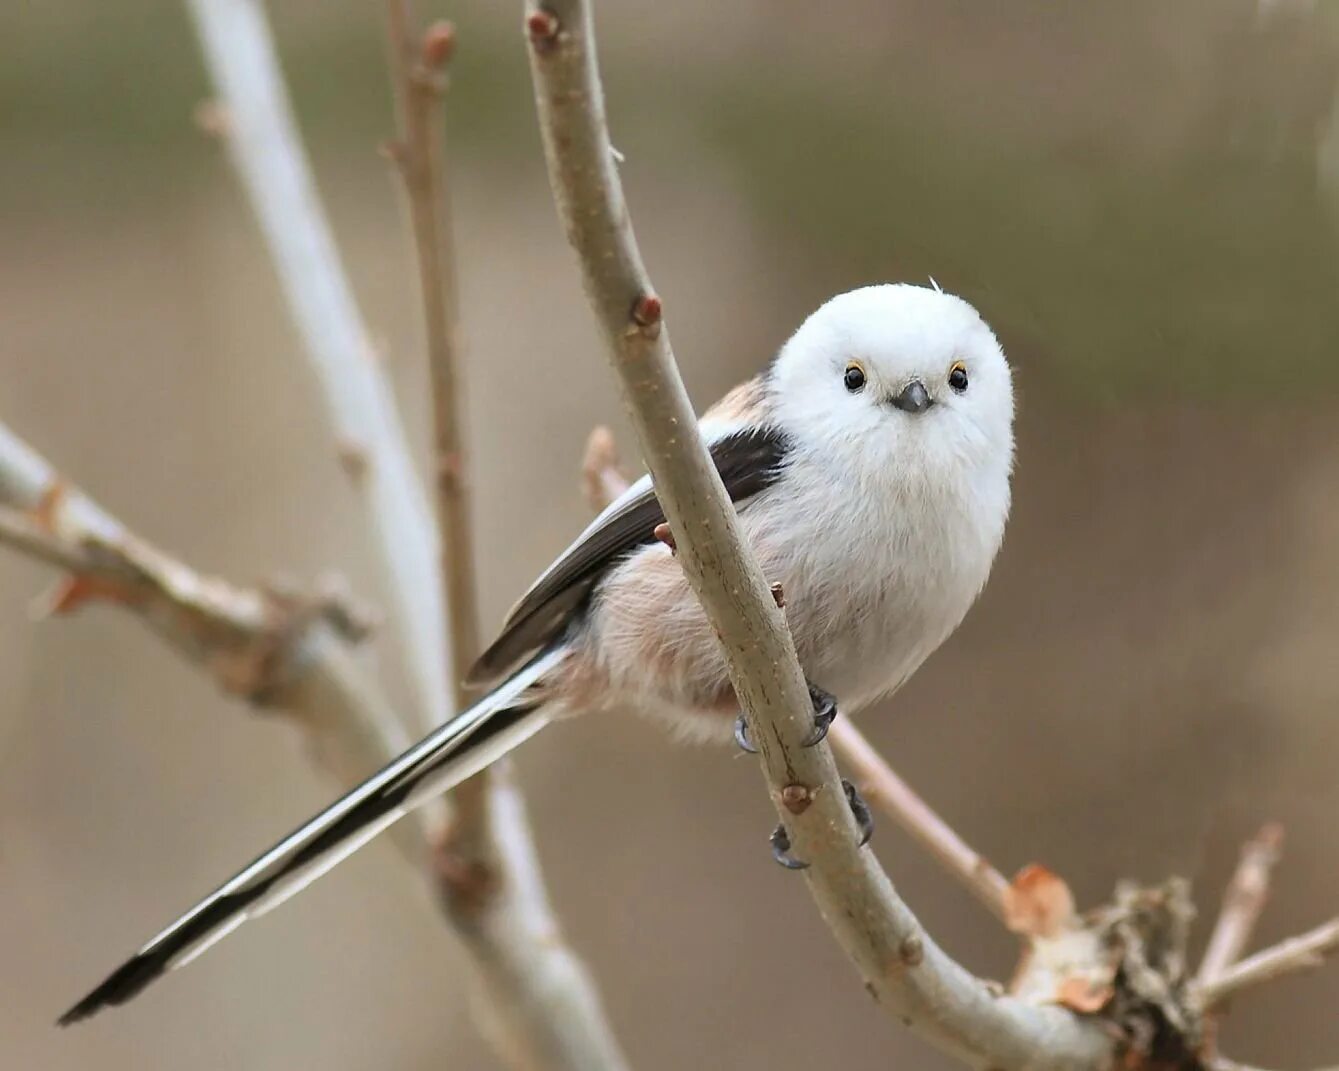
(870, 467)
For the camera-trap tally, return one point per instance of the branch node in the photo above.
(662, 532)
(47, 510)
(797, 797)
(438, 46)
(647, 314)
(779, 596)
(542, 28)
(212, 118)
(393, 150)
(911, 951)
(353, 459)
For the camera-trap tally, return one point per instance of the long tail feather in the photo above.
(450, 754)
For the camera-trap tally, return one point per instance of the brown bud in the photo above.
(439, 44)
(646, 310)
(911, 950)
(779, 596)
(662, 532)
(542, 27)
(796, 798)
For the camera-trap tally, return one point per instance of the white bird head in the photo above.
(906, 375)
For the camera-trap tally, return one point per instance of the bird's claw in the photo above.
(780, 839)
(742, 735)
(860, 809)
(825, 713)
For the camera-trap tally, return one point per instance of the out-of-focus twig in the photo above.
(263, 143)
(536, 1003)
(903, 968)
(1299, 953)
(602, 481)
(274, 649)
(1244, 900)
(418, 71)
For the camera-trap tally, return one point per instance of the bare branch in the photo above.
(266, 150)
(903, 969)
(1243, 902)
(272, 649)
(536, 1003)
(1299, 953)
(884, 788)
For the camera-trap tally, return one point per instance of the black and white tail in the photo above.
(459, 749)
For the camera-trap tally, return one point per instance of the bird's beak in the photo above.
(914, 398)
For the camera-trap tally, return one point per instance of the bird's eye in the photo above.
(854, 377)
(957, 376)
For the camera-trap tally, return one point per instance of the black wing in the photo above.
(748, 461)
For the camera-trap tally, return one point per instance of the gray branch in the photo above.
(903, 969)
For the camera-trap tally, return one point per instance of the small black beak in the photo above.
(914, 398)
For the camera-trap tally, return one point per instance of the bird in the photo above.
(869, 464)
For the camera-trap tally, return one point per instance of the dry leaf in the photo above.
(1038, 903)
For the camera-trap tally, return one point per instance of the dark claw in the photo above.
(781, 850)
(825, 713)
(863, 819)
(742, 735)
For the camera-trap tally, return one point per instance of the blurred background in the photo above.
(1136, 196)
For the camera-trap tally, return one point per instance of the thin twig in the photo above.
(1244, 900)
(418, 70)
(903, 968)
(536, 1003)
(418, 66)
(267, 153)
(883, 788)
(1303, 952)
(602, 480)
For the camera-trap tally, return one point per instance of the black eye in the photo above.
(854, 377)
(957, 376)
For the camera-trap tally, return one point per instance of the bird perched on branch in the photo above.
(870, 465)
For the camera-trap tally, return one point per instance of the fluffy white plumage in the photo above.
(881, 529)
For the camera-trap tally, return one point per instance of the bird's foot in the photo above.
(864, 821)
(825, 712)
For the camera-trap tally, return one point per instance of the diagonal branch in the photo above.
(903, 968)
(885, 789)
(275, 650)
(1303, 952)
(1243, 902)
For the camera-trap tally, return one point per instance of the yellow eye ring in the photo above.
(854, 377)
(957, 376)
